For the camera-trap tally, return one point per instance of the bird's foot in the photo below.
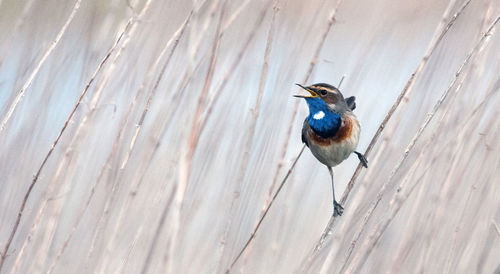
(362, 159)
(337, 209)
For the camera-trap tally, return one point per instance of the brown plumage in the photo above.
(345, 132)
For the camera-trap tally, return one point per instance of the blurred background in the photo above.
(150, 136)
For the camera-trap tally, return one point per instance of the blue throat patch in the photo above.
(322, 120)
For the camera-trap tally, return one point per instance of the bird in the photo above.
(331, 130)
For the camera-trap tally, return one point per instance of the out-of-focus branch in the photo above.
(255, 113)
(34, 73)
(359, 260)
(312, 65)
(405, 92)
(252, 236)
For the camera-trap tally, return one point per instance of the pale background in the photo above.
(148, 136)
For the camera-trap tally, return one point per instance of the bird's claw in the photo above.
(362, 159)
(337, 209)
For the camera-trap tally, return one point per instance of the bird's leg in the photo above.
(337, 208)
(362, 159)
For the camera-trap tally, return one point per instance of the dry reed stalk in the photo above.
(182, 86)
(197, 45)
(441, 30)
(187, 153)
(36, 221)
(462, 215)
(202, 100)
(186, 79)
(440, 212)
(255, 113)
(135, 188)
(34, 73)
(252, 236)
(234, 16)
(376, 236)
(396, 203)
(312, 65)
(157, 83)
(398, 200)
(132, 245)
(189, 74)
(212, 102)
(19, 23)
(101, 64)
(175, 38)
(261, 86)
(129, 30)
(35, 179)
(497, 228)
(158, 231)
(206, 25)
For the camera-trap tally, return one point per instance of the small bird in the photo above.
(331, 130)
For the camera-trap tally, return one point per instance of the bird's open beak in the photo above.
(313, 94)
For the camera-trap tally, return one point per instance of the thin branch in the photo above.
(175, 37)
(405, 92)
(15, 29)
(187, 153)
(202, 100)
(212, 102)
(158, 231)
(312, 65)
(127, 28)
(252, 236)
(35, 178)
(341, 81)
(175, 40)
(410, 147)
(255, 117)
(186, 79)
(256, 110)
(497, 229)
(34, 73)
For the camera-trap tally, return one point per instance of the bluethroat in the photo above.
(331, 130)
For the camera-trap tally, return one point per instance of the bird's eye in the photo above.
(323, 92)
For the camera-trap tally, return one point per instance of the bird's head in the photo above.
(326, 95)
